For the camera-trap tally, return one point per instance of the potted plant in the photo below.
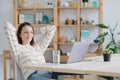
(85, 3)
(107, 54)
(111, 34)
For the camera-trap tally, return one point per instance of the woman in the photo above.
(31, 53)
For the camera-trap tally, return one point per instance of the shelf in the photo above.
(89, 25)
(64, 43)
(41, 25)
(67, 7)
(91, 43)
(46, 8)
(69, 25)
(89, 7)
(36, 8)
(19, 9)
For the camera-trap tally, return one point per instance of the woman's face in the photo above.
(26, 35)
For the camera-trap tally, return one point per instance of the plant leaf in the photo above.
(111, 32)
(118, 33)
(101, 41)
(113, 49)
(115, 25)
(110, 44)
(102, 26)
(84, 0)
(103, 35)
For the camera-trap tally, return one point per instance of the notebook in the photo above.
(78, 52)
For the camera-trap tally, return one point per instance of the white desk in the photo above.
(94, 65)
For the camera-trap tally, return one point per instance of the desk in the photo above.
(93, 65)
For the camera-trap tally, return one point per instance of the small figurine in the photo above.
(87, 22)
(68, 21)
(81, 19)
(92, 22)
(73, 21)
(62, 39)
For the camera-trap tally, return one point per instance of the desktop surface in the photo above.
(93, 65)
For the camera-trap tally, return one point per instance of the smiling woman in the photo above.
(26, 52)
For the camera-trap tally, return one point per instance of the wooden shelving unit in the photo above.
(56, 14)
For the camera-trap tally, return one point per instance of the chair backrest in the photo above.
(78, 52)
(17, 75)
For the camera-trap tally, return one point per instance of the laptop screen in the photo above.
(78, 52)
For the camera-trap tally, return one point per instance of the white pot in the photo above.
(85, 4)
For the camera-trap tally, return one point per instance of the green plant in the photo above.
(107, 51)
(111, 34)
(84, 0)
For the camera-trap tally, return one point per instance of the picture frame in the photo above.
(38, 17)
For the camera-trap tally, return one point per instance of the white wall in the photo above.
(1, 67)
(6, 14)
(111, 13)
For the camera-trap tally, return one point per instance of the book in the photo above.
(85, 34)
(38, 17)
(26, 18)
(21, 18)
(29, 18)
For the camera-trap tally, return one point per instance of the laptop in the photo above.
(78, 52)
